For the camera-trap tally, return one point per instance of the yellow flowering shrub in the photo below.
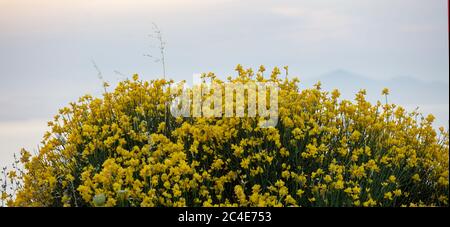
(125, 149)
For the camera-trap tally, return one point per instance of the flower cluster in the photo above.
(125, 149)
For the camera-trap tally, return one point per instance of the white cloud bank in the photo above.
(15, 135)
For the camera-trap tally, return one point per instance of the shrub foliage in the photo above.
(125, 149)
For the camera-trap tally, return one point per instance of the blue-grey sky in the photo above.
(47, 48)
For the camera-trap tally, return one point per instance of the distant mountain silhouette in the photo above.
(403, 90)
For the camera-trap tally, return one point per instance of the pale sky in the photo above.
(47, 47)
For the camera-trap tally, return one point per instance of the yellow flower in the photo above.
(358, 172)
(167, 184)
(369, 203)
(4, 196)
(176, 191)
(285, 174)
(24, 156)
(217, 164)
(339, 185)
(372, 166)
(256, 188)
(416, 177)
(240, 194)
(397, 192)
(245, 163)
(392, 179)
(284, 152)
(328, 178)
(289, 200)
(12, 174)
(388, 195)
(69, 177)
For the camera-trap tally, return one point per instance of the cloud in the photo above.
(14, 128)
(289, 11)
(315, 23)
(15, 135)
(418, 28)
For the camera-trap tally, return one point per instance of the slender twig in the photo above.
(161, 44)
(158, 36)
(122, 75)
(100, 76)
